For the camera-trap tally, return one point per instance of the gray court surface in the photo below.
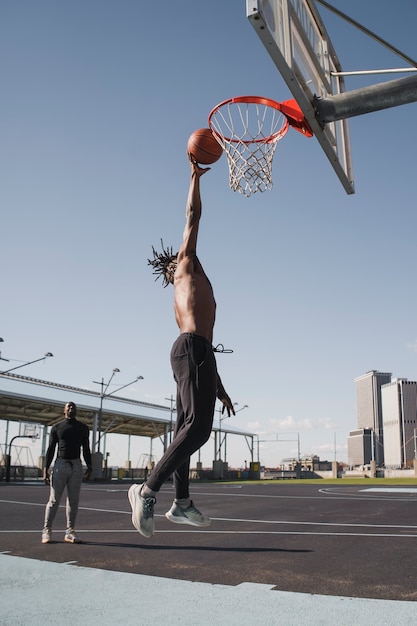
(274, 554)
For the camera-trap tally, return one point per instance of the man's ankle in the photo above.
(183, 503)
(145, 492)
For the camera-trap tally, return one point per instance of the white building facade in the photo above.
(399, 416)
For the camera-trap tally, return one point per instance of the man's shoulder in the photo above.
(83, 426)
(186, 254)
(78, 424)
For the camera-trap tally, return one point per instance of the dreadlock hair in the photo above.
(162, 264)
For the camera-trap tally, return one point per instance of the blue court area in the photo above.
(274, 553)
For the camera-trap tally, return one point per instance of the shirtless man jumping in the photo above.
(195, 372)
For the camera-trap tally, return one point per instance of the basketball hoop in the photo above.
(249, 128)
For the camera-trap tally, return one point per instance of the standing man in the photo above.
(70, 436)
(195, 372)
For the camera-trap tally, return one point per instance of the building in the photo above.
(369, 413)
(399, 413)
(360, 444)
(387, 422)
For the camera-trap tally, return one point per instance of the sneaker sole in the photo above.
(186, 520)
(72, 541)
(132, 495)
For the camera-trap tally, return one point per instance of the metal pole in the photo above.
(368, 32)
(103, 395)
(7, 436)
(225, 447)
(94, 442)
(172, 409)
(170, 421)
(372, 446)
(44, 440)
(367, 100)
(100, 412)
(220, 435)
(402, 418)
(9, 456)
(46, 356)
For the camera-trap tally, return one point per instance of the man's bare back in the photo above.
(194, 304)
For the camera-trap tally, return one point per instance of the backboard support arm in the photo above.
(366, 99)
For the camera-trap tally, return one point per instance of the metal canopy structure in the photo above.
(17, 406)
(46, 412)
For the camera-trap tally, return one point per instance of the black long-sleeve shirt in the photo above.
(70, 436)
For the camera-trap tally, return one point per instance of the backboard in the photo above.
(296, 39)
(29, 430)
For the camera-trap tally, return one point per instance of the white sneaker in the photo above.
(142, 511)
(46, 535)
(191, 515)
(71, 536)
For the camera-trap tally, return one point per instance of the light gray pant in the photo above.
(67, 474)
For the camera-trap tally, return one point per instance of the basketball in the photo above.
(203, 147)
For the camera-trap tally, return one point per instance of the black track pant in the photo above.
(194, 367)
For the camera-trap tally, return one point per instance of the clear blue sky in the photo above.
(314, 287)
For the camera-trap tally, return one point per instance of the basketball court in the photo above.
(271, 539)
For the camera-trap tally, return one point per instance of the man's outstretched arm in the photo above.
(193, 210)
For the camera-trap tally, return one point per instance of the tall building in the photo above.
(399, 414)
(369, 410)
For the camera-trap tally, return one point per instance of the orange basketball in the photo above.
(203, 146)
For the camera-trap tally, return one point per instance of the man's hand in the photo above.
(196, 168)
(46, 477)
(224, 398)
(87, 473)
(227, 405)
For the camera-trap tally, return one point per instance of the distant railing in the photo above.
(278, 474)
(20, 473)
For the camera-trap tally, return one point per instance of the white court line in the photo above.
(218, 494)
(18, 502)
(337, 495)
(257, 521)
(227, 532)
(392, 489)
(242, 520)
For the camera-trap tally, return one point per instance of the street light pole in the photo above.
(219, 450)
(221, 418)
(2, 358)
(46, 356)
(172, 409)
(103, 395)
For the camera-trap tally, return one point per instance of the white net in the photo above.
(248, 129)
